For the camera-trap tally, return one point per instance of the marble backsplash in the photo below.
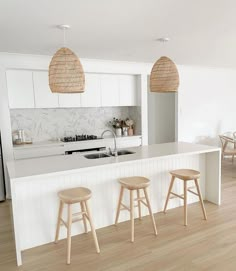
(46, 124)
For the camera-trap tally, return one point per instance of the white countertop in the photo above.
(39, 144)
(64, 163)
(54, 143)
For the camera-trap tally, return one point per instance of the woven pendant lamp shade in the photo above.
(66, 74)
(164, 76)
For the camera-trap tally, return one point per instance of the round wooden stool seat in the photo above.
(186, 174)
(74, 195)
(135, 182)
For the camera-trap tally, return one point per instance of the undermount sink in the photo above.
(124, 152)
(96, 155)
(104, 155)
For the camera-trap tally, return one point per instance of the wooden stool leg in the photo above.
(69, 222)
(92, 228)
(139, 205)
(132, 214)
(200, 198)
(185, 204)
(84, 216)
(59, 220)
(150, 211)
(168, 194)
(119, 204)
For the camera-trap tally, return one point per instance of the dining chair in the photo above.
(228, 146)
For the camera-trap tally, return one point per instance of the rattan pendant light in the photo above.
(164, 75)
(66, 74)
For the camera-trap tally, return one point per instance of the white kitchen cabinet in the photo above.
(110, 90)
(30, 89)
(127, 90)
(124, 142)
(91, 97)
(36, 152)
(44, 98)
(70, 100)
(129, 141)
(20, 89)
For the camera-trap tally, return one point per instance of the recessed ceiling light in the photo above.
(163, 39)
(63, 26)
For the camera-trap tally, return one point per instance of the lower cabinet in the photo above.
(125, 142)
(61, 148)
(37, 152)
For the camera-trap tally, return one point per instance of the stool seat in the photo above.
(135, 182)
(186, 174)
(74, 195)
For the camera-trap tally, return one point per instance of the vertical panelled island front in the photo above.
(36, 182)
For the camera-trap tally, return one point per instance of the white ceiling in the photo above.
(202, 32)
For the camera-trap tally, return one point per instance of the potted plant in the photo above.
(130, 124)
(117, 125)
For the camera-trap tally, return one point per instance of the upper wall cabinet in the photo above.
(30, 89)
(44, 98)
(110, 90)
(119, 90)
(20, 89)
(69, 100)
(91, 97)
(128, 90)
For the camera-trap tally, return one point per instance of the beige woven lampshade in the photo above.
(164, 76)
(66, 74)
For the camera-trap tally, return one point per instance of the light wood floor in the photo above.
(202, 245)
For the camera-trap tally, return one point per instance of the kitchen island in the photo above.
(35, 183)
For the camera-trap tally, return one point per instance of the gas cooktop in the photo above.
(79, 138)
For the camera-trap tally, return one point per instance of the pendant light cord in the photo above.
(64, 27)
(64, 37)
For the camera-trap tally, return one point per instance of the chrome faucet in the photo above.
(114, 136)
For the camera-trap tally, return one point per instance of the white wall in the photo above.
(205, 107)
(206, 101)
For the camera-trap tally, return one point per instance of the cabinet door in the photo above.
(91, 97)
(20, 89)
(70, 100)
(127, 90)
(38, 152)
(129, 141)
(44, 98)
(110, 90)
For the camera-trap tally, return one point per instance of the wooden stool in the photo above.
(185, 175)
(69, 197)
(135, 183)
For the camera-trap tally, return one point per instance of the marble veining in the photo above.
(46, 124)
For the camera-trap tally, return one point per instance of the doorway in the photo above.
(162, 117)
